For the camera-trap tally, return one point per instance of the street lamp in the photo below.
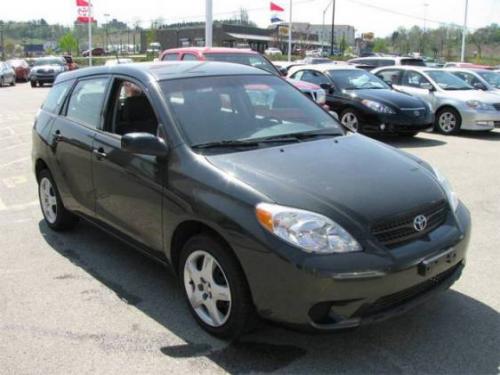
(464, 32)
(106, 17)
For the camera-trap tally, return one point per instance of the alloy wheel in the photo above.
(350, 121)
(207, 288)
(447, 122)
(48, 200)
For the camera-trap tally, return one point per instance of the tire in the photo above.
(350, 119)
(448, 121)
(234, 312)
(2, 83)
(54, 213)
(33, 83)
(13, 83)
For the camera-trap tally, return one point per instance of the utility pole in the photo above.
(464, 32)
(106, 17)
(208, 23)
(333, 29)
(90, 32)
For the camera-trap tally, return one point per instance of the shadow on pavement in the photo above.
(452, 333)
(493, 135)
(409, 142)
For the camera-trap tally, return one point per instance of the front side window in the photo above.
(86, 101)
(251, 59)
(56, 96)
(231, 108)
(448, 81)
(414, 79)
(356, 79)
(132, 112)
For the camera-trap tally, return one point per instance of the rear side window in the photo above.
(384, 62)
(86, 101)
(170, 57)
(56, 96)
(189, 57)
(413, 62)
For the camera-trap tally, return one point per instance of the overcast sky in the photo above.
(379, 16)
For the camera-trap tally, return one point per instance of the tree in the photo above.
(68, 43)
(380, 45)
(343, 44)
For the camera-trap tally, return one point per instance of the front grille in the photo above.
(497, 106)
(394, 300)
(398, 230)
(497, 124)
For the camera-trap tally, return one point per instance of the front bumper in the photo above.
(43, 77)
(365, 287)
(480, 120)
(399, 122)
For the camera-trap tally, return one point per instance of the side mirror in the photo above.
(328, 87)
(283, 71)
(479, 86)
(427, 86)
(144, 143)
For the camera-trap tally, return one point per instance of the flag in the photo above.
(82, 8)
(275, 19)
(274, 7)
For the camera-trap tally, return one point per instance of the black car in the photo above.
(256, 197)
(364, 102)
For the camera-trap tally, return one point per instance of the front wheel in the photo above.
(448, 121)
(350, 120)
(55, 214)
(33, 83)
(215, 287)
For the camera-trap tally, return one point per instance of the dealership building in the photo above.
(231, 35)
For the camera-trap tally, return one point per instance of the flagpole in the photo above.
(90, 32)
(208, 23)
(290, 34)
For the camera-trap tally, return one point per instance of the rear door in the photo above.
(128, 186)
(73, 133)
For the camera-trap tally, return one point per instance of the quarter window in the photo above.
(56, 96)
(86, 101)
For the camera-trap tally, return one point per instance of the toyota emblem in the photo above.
(420, 223)
(416, 113)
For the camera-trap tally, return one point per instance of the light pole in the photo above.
(464, 32)
(323, 32)
(290, 25)
(1, 40)
(208, 23)
(333, 29)
(106, 17)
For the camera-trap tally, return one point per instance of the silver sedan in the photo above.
(455, 103)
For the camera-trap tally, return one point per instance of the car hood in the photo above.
(389, 97)
(358, 178)
(483, 96)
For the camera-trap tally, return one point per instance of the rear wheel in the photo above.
(13, 83)
(215, 287)
(2, 82)
(350, 119)
(33, 83)
(55, 214)
(448, 121)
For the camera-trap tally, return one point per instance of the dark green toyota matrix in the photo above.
(258, 199)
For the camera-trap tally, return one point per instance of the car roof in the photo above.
(386, 58)
(166, 70)
(325, 67)
(202, 50)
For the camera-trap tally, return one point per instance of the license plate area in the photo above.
(437, 263)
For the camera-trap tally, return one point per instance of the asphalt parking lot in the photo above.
(82, 302)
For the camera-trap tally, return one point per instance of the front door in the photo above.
(416, 84)
(128, 186)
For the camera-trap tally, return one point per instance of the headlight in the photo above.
(377, 107)
(452, 196)
(480, 106)
(311, 232)
(321, 97)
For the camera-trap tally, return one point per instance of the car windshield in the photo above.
(353, 79)
(492, 78)
(48, 62)
(252, 59)
(230, 109)
(448, 81)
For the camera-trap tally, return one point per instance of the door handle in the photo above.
(57, 135)
(99, 153)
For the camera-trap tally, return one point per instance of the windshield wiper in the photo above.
(226, 143)
(299, 136)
